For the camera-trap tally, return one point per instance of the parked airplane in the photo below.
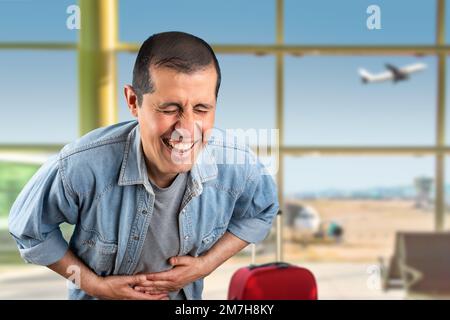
(393, 73)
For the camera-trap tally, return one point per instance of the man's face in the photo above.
(176, 117)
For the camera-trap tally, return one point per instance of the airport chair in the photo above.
(424, 263)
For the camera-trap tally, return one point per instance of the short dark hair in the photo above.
(181, 51)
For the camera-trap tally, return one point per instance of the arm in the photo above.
(227, 246)
(250, 223)
(112, 287)
(188, 269)
(44, 203)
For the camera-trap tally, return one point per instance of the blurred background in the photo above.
(358, 164)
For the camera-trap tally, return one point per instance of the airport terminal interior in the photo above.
(345, 105)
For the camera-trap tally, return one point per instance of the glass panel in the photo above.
(371, 197)
(39, 97)
(251, 21)
(43, 20)
(332, 22)
(447, 103)
(447, 194)
(342, 214)
(328, 104)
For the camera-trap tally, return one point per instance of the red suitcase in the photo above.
(273, 281)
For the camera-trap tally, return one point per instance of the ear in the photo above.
(131, 98)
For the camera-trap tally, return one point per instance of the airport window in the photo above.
(250, 21)
(328, 103)
(447, 200)
(357, 161)
(27, 21)
(39, 91)
(332, 23)
(368, 199)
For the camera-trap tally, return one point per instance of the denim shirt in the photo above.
(99, 183)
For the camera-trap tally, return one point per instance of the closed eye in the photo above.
(169, 111)
(202, 108)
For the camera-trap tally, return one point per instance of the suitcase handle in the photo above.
(278, 242)
(277, 264)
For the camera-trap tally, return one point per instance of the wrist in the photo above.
(93, 285)
(207, 264)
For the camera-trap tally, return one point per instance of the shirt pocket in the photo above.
(97, 254)
(211, 238)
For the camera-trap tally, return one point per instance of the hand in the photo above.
(121, 288)
(186, 269)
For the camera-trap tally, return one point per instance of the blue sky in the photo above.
(325, 102)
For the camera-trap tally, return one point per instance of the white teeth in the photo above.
(180, 146)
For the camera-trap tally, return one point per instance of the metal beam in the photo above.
(38, 46)
(259, 49)
(97, 64)
(279, 85)
(440, 121)
(290, 150)
(363, 151)
(30, 148)
(314, 49)
(295, 50)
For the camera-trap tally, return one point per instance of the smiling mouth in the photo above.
(180, 147)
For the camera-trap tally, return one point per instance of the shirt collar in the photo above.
(134, 171)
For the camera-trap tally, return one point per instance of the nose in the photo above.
(187, 128)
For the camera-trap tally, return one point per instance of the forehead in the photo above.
(200, 84)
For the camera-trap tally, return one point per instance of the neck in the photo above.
(160, 179)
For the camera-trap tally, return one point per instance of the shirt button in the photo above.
(136, 237)
(144, 211)
(186, 237)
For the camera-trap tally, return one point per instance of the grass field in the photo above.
(13, 178)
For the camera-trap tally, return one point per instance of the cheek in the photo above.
(156, 125)
(207, 125)
(207, 122)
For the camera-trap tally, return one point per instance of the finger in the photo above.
(150, 290)
(136, 279)
(153, 283)
(135, 295)
(145, 283)
(180, 260)
(157, 276)
(155, 292)
(160, 285)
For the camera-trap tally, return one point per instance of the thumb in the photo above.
(181, 260)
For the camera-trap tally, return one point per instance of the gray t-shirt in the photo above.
(163, 240)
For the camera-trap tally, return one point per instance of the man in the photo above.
(156, 203)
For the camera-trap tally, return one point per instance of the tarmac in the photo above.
(340, 281)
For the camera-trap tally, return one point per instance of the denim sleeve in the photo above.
(256, 207)
(44, 203)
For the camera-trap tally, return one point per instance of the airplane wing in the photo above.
(413, 68)
(366, 76)
(396, 71)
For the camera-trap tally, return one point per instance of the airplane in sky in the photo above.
(392, 73)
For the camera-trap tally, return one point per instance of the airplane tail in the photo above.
(366, 76)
